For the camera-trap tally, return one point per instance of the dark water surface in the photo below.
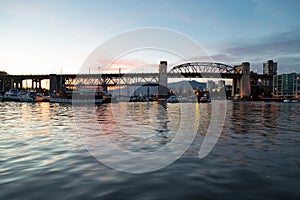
(256, 157)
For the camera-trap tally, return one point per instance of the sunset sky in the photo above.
(42, 37)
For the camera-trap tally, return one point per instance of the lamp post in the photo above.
(119, 83)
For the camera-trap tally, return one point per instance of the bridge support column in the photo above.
(32, 84)
(163, 80)
(53, 83)
(16, 84)
(36, 84)
(235, 89)
(57, 84)
(243, 87)
(1, 85)
(12, 83)
(245, 81)
(6, 85)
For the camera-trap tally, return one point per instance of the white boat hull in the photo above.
(75, 101)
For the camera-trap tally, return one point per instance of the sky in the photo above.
(57, 36)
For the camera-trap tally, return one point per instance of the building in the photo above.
(286, 85)
(270, 68)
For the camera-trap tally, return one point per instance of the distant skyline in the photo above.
(42, 37)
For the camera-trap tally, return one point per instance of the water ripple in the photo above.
(257, 156)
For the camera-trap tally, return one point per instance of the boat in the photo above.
(172, 99)
(204, 97)
(290, 101)
(12, 95)
(139, 98)
(122, 99)
(82, 96)
(190, 99)
(75, 100)
(31, 96)
(46, 98)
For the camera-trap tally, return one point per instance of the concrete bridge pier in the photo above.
(54, 83)
(16, 84)
(1, 85)
(163, 80)
(235, 87)
(4, 85)
(36, 84)
(242, 86)
(57, 83)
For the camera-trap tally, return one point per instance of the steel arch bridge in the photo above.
(203, 67)
(187, 70)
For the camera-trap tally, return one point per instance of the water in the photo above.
(256, 157)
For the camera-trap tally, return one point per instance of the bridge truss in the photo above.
(114, 79)
(195, 69)
(202, 68)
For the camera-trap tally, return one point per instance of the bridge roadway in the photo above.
(111, 79)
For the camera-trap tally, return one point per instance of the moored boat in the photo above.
(172, 99)
(82, 96)
(139, 98)
(30, 96)
(45, 98)
(76, 100)
(12, 95)
(290, 101)
(204, 97)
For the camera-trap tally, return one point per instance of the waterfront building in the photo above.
(269, 68)
(286, 85)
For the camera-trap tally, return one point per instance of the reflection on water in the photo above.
(147, 124)
(257, 156)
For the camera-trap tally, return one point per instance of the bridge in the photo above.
(243, 79)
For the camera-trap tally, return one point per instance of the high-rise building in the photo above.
(270, 68)
(287, 85)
